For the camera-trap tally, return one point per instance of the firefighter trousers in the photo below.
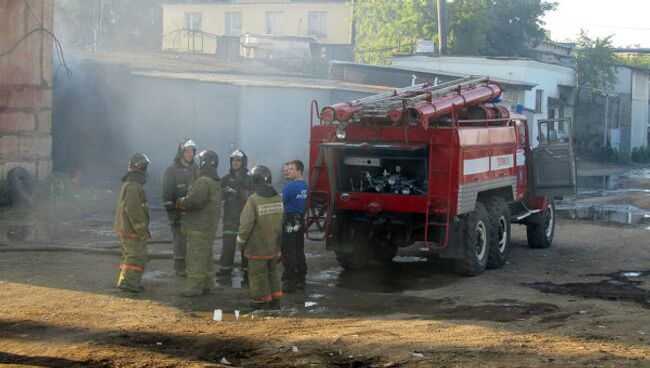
(199, 262)
(134, 258)
(179, 247)
(293, 250)
(228, 250)
(264, 280)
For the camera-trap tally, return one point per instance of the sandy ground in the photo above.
(564, 306)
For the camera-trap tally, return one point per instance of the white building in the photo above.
(552, 96)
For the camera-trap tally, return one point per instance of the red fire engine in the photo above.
(443, 166)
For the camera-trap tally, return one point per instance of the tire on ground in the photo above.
(475, 247)
(540, 227)
(20, 187)
(499, 216)
(358, 256)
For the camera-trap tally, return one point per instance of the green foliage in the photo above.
(642, 61)
(596, 62)
(475, 27)
(388, 26)
(612, 155)
(641, 155)
(496, 27)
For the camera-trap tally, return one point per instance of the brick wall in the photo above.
(26, 87)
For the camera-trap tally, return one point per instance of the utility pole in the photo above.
(442, 27)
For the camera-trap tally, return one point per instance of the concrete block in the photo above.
(44, 122)
(25, 96)
(11, 122)
(35, 147)
(8, 146)
(43, 169)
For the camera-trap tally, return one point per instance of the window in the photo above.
(274, 23)
(233, 24)
(317, 24)
(193, 22)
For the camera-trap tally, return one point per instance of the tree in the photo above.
(596, 62)
(388, 26)
(475, 27)
(642, 61)
(496, 27)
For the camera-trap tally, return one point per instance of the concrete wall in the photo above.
(253, 18)
(26, 88)
(105, 114)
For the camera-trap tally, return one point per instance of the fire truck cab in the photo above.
(443, 166)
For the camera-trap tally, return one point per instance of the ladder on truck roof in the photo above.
(379, 105)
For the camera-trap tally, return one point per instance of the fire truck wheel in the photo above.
(540, 227)
(499, 216)
(385, 252)
(476, 242)
(358, 256)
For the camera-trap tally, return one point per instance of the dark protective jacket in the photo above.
(132, 213)
(260, 226)
(176, 181)
(237, 186)
(201, 207)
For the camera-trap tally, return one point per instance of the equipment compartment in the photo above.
(394, 170)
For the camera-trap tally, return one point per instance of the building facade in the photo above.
(197, 27)
(26, 87)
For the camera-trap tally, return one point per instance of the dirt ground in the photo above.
(583, 302)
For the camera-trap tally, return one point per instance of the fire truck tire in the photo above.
(499, 216)
(476, 242)
(385, 251)
(540, 227)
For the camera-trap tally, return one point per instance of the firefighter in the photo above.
(259, 235)
(177, 179)
(294, 196)
(132, 224)
(201, 208)
(237, 186)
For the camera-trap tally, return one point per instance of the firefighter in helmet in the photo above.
(132, 224)
(201, 208)
(259, 235)
(237, 186)
(177, 179)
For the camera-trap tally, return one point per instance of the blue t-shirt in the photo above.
(294, 196)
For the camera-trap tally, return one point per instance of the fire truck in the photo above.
(443, 167)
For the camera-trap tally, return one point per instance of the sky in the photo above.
(627, 20)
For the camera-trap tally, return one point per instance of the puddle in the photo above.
(619, 288)
(503, 311)
(615, 213)
(408, 273)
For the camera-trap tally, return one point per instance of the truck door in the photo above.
(554, 167)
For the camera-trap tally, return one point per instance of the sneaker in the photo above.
(130, 288)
